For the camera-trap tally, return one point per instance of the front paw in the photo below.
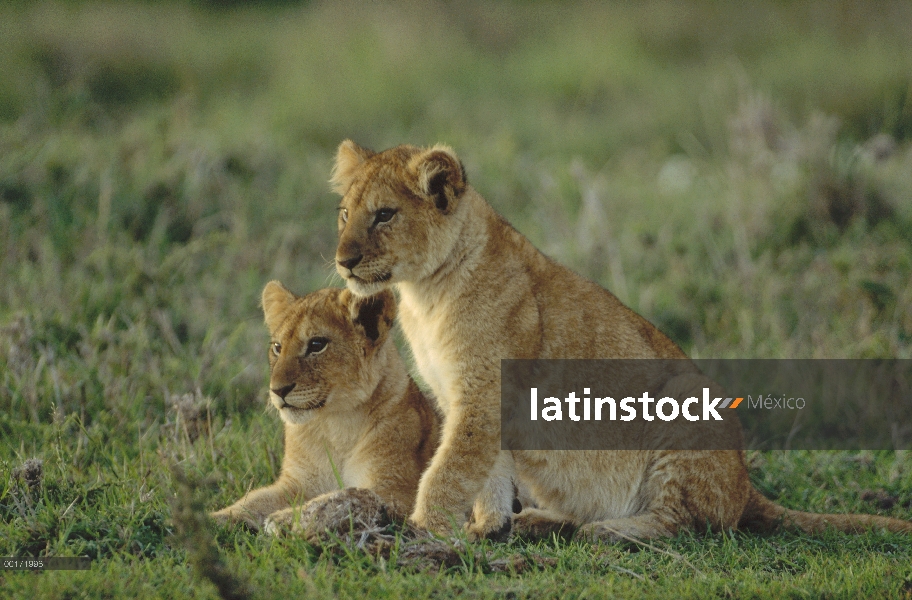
(492, 528)
(220, 518)
(225, 517)
(280, 522)
(433, 521)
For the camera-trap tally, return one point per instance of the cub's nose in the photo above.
(283, 391)
(350, 263)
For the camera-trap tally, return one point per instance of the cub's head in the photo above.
(323, 348)
(399, 215)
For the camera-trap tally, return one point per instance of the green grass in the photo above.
(717, 166)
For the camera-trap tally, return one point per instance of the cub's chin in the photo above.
(297, 416)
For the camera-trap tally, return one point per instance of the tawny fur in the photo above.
(473, 291)
(352, 403)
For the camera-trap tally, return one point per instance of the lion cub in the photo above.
(348, 404)
(473, 291)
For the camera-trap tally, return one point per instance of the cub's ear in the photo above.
(276, 299)
(349, 157)
(440, 175)
(373, 314)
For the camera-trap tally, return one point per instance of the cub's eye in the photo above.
(316, 345)
(384, 215)
(344, 213)
(276, 348)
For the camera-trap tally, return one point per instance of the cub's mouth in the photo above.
(312, 405)
(309, 405)
(382, 278)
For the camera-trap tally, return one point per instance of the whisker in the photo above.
(332, 274)
(330, 278)
(328, 263)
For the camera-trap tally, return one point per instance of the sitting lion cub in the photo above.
(474, 291)
(350, 409)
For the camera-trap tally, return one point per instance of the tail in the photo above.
(763, 515)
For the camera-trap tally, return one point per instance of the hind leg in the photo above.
(536, 524)
(688, 489)
(629, 529)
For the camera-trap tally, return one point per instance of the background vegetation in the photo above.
(739, 173)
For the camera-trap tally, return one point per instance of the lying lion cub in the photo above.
(473, 290)
(347, 402)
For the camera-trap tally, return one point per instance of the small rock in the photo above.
(881, 147)
(520, 564)
(880, 498)
(30, 473)
(429, 554)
